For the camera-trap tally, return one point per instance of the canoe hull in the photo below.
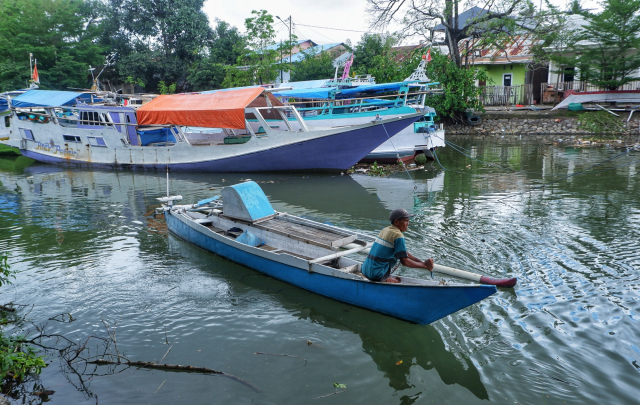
(418, 304)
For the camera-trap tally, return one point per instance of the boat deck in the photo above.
(320, 237)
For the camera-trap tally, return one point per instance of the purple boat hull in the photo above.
(328, 153)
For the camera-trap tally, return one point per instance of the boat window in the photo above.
(7, 121)
(89, 118)
(71, 138)
(27, 134)
(97, 141)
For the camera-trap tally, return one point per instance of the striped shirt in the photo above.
(388, 247)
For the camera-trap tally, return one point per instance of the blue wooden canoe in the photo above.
(244, 228)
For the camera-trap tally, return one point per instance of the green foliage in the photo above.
(314, 67)
(18, 359)
(5, 270)
(421, 159)
(136, 82)
(601, 122)
(227, 45)
(257, 63)
(459, 90)
(206, 75)
(61, 34)
(378, 170)
(156, 39)
(605, 50)
(164, 89)
(374, 55)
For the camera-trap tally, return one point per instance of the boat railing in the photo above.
(324, 106)
(284, 112)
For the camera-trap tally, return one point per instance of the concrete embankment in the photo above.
(543, 125)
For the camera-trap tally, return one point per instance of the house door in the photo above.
(506, 79)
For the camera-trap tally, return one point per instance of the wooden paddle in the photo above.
(467, 275)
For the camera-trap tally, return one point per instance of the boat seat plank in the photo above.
(268, 248)
(318, 237)
(295, 254)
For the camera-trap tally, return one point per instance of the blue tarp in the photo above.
(373, 88)
(3, 104)
(156, 136)
(322, 93)
(307, 84)
(45, 98)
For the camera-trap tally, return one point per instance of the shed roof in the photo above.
(516, 49)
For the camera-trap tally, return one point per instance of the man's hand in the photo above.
(428, 264)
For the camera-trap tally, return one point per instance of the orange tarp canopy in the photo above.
(223, 109)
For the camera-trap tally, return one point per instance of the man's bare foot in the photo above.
(393, 280)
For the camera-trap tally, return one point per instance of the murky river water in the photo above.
(84, 243)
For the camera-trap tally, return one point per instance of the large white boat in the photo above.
(157, 135)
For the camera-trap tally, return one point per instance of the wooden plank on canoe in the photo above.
(304, 233)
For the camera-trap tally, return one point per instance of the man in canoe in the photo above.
(388, 248)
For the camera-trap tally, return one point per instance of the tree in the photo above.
(459, 90)
(227, 45)
(493, 22)
(61, 34)
(260, 60)
(157, 39)
(606, 50)
(209, 73)
(314, 66)
(374, 55)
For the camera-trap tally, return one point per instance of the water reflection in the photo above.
(84, 242)
(395, 346)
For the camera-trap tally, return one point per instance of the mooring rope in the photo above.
(415, 186)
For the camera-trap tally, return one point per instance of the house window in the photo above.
(569, 74)
(71, 138)
(506, 79)
(27, 134)
(97, 141)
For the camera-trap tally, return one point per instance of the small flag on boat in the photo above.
(35, 76)
(427, 57)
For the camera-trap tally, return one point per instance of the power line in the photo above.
(330, 39)
(336, 29)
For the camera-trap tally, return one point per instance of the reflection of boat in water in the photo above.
(398, 191)
(384, 339)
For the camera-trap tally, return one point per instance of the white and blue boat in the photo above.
(243, 227)
(335, 107)
(160, 134)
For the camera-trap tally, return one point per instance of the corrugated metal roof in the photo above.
(516, 49)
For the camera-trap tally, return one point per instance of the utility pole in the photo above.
(291, 51)
(290, 26)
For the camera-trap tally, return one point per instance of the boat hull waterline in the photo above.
(334, 149)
